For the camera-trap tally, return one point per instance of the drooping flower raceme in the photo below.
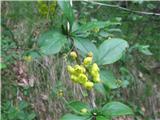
(86, 74)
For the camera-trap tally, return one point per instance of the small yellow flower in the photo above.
(87, 61)
(28, 58)
(60, 90)
(73, 54)
(95, 70)
(84, 110)
(96, 30)
(119, 82)
(95, 113)
(90, 54)
(78, 69)
(83, 68)
(89, 85)
(74, 78)
(95, 73)
(97, 79)
(95, 67)
(82, 78)
(60, 93)
(70, 69)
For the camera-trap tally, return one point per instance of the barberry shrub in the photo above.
(86, 63)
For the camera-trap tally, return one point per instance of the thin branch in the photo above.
(125, 9)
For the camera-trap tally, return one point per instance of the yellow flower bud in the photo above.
(95, 74)
(70, 69)
(60, 93)
(83, 68)
(119, 82)
(84, 110)
(82, 78)
(95, 114)
(78, 69)
(73, 54)
(95, 70)
(60, 90)
(97, 79)
(90, 54)
(28, 58)
(95, 67)
(74, 78)
(95, 30)
(89, 85)
(87, 61)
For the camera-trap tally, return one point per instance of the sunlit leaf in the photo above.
(51, 42)
(111, 50)
(117, 109)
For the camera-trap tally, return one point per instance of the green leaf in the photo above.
(144, 49)
(31, 116)
(141, 48)
(12, 113)
(104, 34)
(51, 42)
(23, 105)
(94, 24)
(85, 46)
(77, 106)
(67, 10)
(2, 65)
(100, 88)
(114, 30)
(108, 79)
(101, 118)
(21, 115)
(116, 109)
(111, 50)
(74, 117)
(91, 25)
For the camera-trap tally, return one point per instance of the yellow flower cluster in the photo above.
(95, 72)
(82, 73)
(44, 8)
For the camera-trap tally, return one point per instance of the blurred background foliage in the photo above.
(31, 88)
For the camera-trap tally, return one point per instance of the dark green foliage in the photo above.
(19, 112)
